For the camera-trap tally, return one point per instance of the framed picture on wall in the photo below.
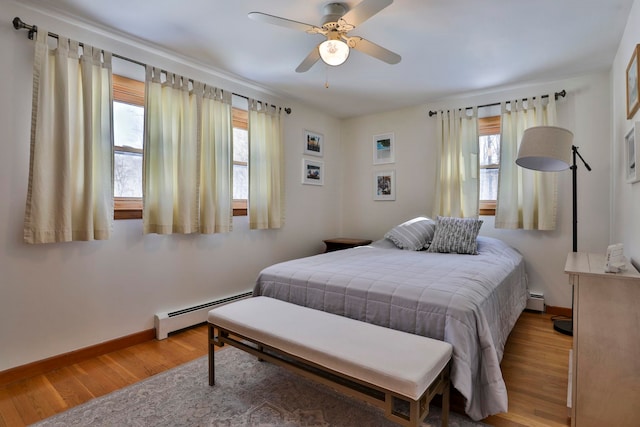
(312, 172)
(383, 149)
(384, 185)
(631, 153)
(313, 143)
(633, 89)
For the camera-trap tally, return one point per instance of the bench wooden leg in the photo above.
(445, 406)
(419, 409)
(446, 396)
(212, 374)
(415, 417)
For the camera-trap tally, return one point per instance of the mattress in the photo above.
(469, 301)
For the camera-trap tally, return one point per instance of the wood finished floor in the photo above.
(534, 367)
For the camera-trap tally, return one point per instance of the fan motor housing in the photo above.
(333, 12)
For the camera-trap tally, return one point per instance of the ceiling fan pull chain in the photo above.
(326, 79)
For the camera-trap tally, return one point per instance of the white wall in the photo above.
(57, 298)
(585, 111)
(625, 207)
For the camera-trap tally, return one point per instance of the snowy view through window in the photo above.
(489, 164)
(240, 164)
(128, 128)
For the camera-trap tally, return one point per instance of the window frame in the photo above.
(489, 126)
(128, 91)
(240, 120)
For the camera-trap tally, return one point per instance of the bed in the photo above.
(470, 301)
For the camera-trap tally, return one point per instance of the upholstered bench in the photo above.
(381, 365)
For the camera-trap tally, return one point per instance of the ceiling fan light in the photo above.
(333, 52)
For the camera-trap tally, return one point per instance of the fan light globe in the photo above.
(333, 52)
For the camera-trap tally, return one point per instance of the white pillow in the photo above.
(413, 235)
(456, 235)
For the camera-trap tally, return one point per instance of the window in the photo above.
(489, 141)
(128, 137)
(128, 131)
(240, 161)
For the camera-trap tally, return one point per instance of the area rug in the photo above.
(247, 393)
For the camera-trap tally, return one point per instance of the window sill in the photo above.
(127, 208)
(127, 214)
(488, 207)
(131, 212)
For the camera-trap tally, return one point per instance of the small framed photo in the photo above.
(313, 143)
(633, 90)
(384, 185)
(383, 149)
(312, 172)
(631, 154)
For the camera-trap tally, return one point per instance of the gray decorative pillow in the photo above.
(456, 235)
(413, 235)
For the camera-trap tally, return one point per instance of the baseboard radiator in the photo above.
(165, 323)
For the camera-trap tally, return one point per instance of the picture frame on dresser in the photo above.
(313, 143)
(631, 155)
(633, 88)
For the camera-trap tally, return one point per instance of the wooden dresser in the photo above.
(605, 377)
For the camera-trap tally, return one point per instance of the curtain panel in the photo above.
(527, 199)
(187, 156)
(70, 190)
(216, 160)
(457, 167)
(266, 166)
(170, 165)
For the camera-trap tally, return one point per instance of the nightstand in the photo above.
(339, 243)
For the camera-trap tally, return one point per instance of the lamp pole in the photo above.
(574, 173)
(566, 326)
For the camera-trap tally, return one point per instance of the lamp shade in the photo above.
(333, 52)
(545, 148)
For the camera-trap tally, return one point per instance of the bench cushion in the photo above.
(397, 361)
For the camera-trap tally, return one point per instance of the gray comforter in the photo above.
(470, 301)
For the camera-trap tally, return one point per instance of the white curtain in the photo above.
(527, 199)
(266, 166)
(70, 192)
(457, 164)
(170, 188)
(216, 167)
(187, 156)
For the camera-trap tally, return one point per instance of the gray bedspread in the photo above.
(470, 301)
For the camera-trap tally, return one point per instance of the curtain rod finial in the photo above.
(18, 24)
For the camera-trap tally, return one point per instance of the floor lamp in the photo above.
(549, 149)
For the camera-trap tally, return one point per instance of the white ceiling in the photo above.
(448, 47)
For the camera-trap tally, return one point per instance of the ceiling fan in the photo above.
(336, 23)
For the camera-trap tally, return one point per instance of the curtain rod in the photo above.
(557, 95)
(19, 24)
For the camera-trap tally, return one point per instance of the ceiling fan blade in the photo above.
(363, 11)
(287, 23)
(308, 62)
(372, 49)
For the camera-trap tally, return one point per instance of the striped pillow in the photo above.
(456, 235)
(413, 235)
